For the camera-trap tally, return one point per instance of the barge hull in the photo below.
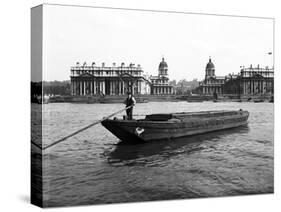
(135, 131)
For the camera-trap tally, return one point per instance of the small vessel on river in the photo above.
(174, 125)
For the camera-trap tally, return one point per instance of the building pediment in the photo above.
(86, 75)
(258, 76)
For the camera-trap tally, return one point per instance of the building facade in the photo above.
(257, 81)
(108, 80)
(160, 84)
(212, 83)
(249, 81)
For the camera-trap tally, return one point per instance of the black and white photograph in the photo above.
(135, 105)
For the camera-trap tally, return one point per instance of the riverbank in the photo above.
(113, 99)
(161, 98)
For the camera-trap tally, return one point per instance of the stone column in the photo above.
(109, 88)
(77, 87)
(100, 87)
(84, 90)
(251, 86)
(94, 86)
(103, 87)
(139, 89)
(114, 87)
(119, 88)
(71, 87)
(91, 87)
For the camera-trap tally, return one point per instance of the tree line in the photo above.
(183, 87)
(52, 88)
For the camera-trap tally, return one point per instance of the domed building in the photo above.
(211, 84)
(210, 69)
(163, 68)
(160, 84)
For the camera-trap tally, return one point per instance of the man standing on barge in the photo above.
(130, 101)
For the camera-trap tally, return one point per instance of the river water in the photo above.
(92, 168)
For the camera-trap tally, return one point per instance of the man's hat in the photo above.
(128, 93)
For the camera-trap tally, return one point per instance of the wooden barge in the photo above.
(174, 125)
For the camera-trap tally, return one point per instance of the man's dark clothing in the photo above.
(129, 111)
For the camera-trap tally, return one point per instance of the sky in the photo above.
(186, 41)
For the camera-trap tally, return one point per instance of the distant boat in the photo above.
(228, 100)
(195, 100)
(120, 100)
(43, 100)
(174, 125)
(258, 100)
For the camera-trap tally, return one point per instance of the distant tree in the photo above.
(184, 87)
(232, 86)
(56, 88)
(173, 82)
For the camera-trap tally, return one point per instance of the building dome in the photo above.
(210, 65)
(163, 64)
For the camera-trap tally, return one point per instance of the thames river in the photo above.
(92, 168)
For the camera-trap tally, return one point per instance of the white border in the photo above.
(15, 107)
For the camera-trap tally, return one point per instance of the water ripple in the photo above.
(93, 167)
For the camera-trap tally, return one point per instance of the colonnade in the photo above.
(212, 89)
(106, 87)
(162, 90)
(257, 86)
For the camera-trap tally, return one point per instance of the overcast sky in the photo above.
(78, 34)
